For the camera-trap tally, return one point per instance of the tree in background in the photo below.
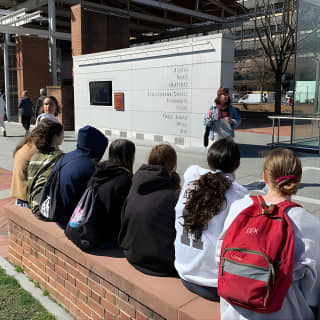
(275, 26)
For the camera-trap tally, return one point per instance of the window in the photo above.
(101, 93)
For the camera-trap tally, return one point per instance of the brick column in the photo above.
(93, 31)
(64, 95)
(32, 65)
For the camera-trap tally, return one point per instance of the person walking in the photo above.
(43, 94)
(2, 113)
(25, 111)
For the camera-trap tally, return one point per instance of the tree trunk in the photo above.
(277, 102)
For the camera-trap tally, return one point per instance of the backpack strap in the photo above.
(271, 209)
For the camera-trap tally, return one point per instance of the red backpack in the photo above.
(257, 257)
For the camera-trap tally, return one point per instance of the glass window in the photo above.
(307, 77)
(100, 93)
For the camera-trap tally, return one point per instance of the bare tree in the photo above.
(275, 25)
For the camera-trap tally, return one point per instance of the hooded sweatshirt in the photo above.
(304, 291)
(147, 222)
(112, 183)
(77, 168)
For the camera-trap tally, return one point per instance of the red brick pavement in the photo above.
(5, 179)
(285, 131)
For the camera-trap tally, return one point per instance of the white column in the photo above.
(6, 74)
(52, 41)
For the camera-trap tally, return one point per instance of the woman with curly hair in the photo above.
(282, 174)
(50, 136)
(200, 214)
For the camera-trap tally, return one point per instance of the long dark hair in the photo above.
(30, 138)
(122, 152)
(54, 99)
(41, 135)
(206, 196)
(45, 132)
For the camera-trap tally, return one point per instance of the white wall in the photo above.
(168, 87)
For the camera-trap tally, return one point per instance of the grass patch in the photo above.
(16, 303)
(18, 269)
(45, 292)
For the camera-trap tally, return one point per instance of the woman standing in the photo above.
(51, 109)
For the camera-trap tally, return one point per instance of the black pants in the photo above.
(209, 293)
(26, 122)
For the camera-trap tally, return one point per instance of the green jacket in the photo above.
(39, 169)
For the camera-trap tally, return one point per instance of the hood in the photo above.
(150, 178)
(105, 171)
(92, 141)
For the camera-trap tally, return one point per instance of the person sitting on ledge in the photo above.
(77, 168)
(43, 161)
(202, 208)
(112, 180)
(147, 220)
(22, 155)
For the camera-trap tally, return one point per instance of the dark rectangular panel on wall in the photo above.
(118, 33)
(102, 32)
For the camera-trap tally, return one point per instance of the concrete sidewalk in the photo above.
(252, 144)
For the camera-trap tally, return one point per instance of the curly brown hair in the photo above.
(205, 200)
(206, 197)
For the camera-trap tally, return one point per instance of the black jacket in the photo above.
(112, 183)
(147, 222)
(25, 107)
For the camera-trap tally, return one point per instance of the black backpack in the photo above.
(49, 199)
(82, 226)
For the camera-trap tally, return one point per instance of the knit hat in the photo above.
(222, 91)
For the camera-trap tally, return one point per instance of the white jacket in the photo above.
(199, 265)
(2, 105)
(46, 115)
(305, 288)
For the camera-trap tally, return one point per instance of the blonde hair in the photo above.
(283, 170)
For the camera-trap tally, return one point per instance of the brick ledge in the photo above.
(165, 296)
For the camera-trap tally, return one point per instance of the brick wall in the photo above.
(93, 31)
(64, 95)
(84, 293)
(102, 285)
(32, 65)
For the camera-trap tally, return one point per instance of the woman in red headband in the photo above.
(282, 174)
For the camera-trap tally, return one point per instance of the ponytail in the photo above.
(205, 199)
